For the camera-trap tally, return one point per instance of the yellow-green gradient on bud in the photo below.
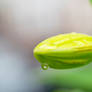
(64, 51)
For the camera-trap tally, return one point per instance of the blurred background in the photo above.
(25, 23)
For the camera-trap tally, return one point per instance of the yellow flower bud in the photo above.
(64, 51)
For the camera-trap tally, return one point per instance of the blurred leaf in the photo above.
(72, 90)
(80, 78)
(91, 1)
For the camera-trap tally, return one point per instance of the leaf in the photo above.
(91, 1)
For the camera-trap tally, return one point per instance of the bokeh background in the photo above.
(25, 23)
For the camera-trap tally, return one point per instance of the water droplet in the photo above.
(44, 66)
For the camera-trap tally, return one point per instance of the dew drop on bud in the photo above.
(44, 66)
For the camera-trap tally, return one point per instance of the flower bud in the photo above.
(64, 51)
